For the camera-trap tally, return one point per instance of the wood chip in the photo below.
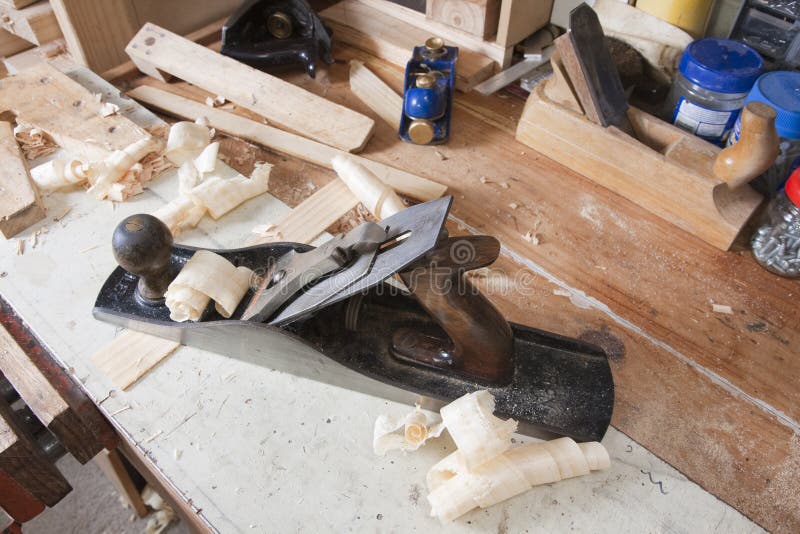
(531, 237)
(720, 308)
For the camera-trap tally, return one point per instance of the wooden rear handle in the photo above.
(482, 341)
(756, 150)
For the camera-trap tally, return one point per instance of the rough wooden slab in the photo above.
(44, 97)
(275, 139)
(367, 28)
(156, 51)
(23, 460)
(45, 402)
(36, 23)
(20, 206)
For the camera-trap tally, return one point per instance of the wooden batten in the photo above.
(667, 171)
(374, 92)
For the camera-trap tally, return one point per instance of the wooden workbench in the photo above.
(714, 396)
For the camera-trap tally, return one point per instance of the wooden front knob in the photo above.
(142, 246)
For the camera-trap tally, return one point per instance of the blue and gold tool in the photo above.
(428, 93)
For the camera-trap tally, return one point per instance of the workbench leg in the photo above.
(111, 464)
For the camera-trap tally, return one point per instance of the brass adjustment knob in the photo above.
(434, 44)
(426, 81)
(279, 24)
(421, 131)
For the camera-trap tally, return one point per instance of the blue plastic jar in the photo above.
(715, 76)
(781, 90)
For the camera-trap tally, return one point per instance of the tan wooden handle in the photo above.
(756, 150)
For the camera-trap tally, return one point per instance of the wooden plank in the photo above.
(20, 206)
(378, 96)
(16, 501)
(36, 23)
(111, 464)
(293, 145)
(131, 355)
(23, 460)
(520, 18)
(364, 27)
(96, 32)
(45, 402)
(500, 54)
(205, 35)
(10, 44)
(156, 50)
(44, 97)
(478, 17)
(312, 216)
(67, 388)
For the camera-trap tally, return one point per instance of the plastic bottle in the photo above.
(781, 90)
(776, 243)
(715, 76)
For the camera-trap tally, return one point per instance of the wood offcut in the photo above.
(20, 206)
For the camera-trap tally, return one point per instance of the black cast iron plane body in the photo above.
(559, 385)
(267, 34)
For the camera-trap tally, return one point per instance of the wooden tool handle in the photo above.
(482, 341)
(756, 150)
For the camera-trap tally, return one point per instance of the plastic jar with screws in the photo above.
(776, 243)
(714, 78)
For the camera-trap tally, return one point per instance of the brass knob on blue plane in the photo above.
(143, 246)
